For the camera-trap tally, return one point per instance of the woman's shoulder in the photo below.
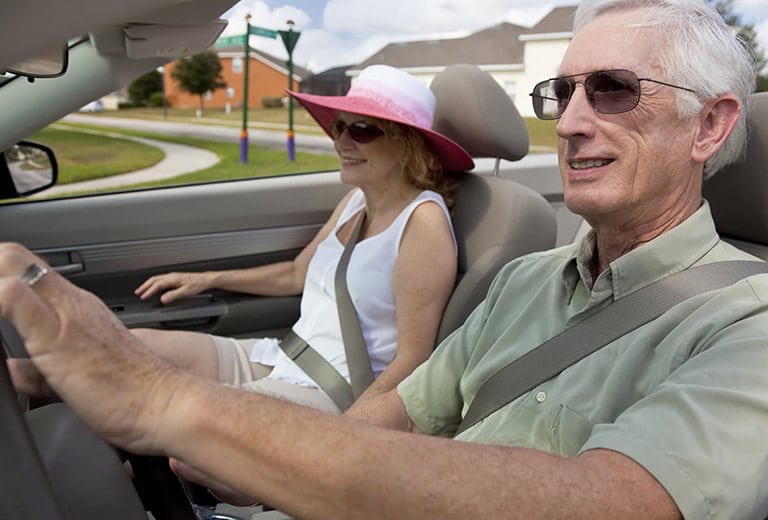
(427, 214)
(427, 196)
(352, 202)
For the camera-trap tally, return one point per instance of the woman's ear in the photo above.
(716, 122)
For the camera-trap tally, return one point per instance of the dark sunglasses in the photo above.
(608, 91)
(359, 131)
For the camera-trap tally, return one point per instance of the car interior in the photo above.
(55, 467)
(495, 220)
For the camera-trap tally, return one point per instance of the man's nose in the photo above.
(577, 113)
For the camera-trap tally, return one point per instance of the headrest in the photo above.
(739, 192)
(473, 110)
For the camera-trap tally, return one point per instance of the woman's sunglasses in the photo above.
(608, 91)
(359, 131)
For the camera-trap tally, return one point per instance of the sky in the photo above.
(345, 32)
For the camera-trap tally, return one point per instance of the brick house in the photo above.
(267, 77)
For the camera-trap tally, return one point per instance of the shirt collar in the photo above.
(670, 252)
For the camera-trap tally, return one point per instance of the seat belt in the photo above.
(316, 366)
(355, 349)
(589, 335)
(318, 369)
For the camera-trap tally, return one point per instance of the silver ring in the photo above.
(33, 274)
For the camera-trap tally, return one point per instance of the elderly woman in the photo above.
(400, 274)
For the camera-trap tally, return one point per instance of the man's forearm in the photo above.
(314, 465)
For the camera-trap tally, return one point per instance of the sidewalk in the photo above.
(179, 159)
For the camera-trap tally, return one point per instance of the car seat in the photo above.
(495, 219)
(736, 194)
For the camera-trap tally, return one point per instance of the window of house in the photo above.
(237, 65)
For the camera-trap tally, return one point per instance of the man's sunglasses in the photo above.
(608, 91)
(359, 131)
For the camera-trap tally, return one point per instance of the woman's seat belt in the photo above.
(355, 349)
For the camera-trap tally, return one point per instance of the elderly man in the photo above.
(668, 421)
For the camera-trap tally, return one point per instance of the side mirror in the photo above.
(26, 168)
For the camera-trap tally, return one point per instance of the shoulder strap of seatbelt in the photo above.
(617, 319)
(358, 360)
(355, 349)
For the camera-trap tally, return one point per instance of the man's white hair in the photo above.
(701, 52)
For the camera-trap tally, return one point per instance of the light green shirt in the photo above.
(686, 396)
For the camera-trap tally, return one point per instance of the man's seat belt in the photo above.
(316, 366)
(614, 321)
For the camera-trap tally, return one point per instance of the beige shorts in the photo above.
(236, 369)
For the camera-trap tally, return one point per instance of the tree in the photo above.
(749, 35)
(141, 89)
(199, 74)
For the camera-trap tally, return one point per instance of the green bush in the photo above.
(156, 99)
(272, 102)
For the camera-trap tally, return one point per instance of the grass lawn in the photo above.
(83, 156)
(541, 135)
(261, 161)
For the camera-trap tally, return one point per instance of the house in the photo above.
(332, 82)
(267, 78)
(516, 56)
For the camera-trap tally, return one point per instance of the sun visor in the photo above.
(170, 41)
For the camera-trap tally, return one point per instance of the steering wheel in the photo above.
(56, 468)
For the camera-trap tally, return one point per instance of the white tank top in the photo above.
(369, 280)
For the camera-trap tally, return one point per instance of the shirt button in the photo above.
(541, 397)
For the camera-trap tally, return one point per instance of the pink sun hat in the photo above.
(388, 93)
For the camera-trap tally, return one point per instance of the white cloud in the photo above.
(349, 31)
(352, 30)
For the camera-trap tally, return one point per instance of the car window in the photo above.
(145, 149)
(113, 144)
(155, 131)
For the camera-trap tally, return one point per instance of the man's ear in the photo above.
(716, 122)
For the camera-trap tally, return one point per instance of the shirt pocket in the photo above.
(569, 431)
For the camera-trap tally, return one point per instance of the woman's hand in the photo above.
(172, 286)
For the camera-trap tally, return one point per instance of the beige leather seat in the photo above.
(495, 219)
(738, 195)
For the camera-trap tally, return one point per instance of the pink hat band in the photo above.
(388, 93)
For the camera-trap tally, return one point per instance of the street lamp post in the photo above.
(161, 70)
(244, 130)
(290, 37)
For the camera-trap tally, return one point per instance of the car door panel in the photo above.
(109, 244)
